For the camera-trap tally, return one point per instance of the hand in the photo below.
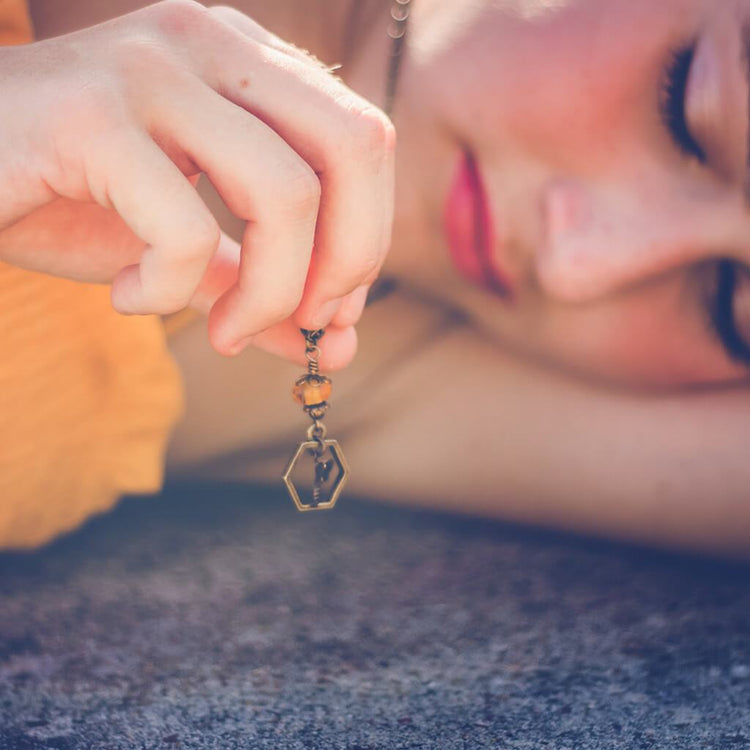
(102, 131)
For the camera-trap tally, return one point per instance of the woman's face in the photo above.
(574, 173)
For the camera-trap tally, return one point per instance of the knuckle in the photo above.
(137, 61)
(227, 13)
(300, 192)
(140, 51)
(177, 18)
(373, 134)
(155, 42)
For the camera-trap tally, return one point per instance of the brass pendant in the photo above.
(317, 472)
(329, 472)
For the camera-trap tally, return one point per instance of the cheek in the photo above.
(656, 337)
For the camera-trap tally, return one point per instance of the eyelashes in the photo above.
(672, 104)
(723, 312)
(673, 114)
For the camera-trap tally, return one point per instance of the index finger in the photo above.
(347, 141)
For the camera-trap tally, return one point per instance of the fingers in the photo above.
(337, 348)
(254, 31)
(164, 211)
(347, 142)
(354, 226)
(284, 338)
(351, 147)
(275, 191)
(304, 161)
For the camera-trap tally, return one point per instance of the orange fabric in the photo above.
(15, 26)
(87, 397)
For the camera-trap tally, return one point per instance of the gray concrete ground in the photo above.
(219, 618)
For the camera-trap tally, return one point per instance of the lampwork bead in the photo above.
(312, 390)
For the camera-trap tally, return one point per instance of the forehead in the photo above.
(605, 13)
(498, 45)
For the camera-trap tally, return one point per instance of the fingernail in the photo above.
(324, 314)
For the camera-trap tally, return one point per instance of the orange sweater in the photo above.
(87, 397)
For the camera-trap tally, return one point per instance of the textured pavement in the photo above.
(220, 618)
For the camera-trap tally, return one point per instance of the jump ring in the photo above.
(317, 432)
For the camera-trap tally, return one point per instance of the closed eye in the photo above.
(672, 103)
(724, 310)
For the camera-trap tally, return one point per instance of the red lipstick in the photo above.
(470, 231)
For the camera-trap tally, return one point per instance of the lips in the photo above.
(470, 231)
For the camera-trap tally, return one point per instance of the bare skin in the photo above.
(109, 127)
(433, 413)
(467, 410)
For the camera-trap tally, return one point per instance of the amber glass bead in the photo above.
(312, 391)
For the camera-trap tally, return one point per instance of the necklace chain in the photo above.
(397, 28)
(400, 11)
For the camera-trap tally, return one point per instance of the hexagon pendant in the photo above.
(315, 479)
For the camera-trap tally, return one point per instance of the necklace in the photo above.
(400, 11)
(318, 458)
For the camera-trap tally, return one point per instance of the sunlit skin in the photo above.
(559, 103)
(596, 395)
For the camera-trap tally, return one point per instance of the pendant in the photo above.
(317, 472)
(326, 470)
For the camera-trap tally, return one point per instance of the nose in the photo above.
(602, 238)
